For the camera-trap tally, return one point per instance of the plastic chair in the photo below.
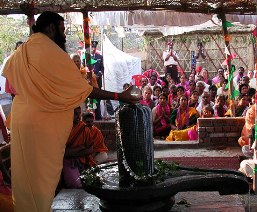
(149, 72)
(136, 79)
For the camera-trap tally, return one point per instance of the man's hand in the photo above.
(129, 96)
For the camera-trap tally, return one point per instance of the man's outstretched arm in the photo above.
(125, 96)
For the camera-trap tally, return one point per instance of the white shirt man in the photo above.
(170, 60)
(206, 99)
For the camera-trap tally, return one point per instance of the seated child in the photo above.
(220, 107)
(207, 111)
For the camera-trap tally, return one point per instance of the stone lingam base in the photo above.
(160, 195)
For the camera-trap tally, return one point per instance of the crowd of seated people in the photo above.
(197, 92)
(200, 90)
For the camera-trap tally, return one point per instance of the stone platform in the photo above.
(71, 200)
(191, 151)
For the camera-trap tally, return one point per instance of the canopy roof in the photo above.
(192, 6)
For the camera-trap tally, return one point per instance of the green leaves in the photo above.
(89, 177)
(164, 169)
(12, 30)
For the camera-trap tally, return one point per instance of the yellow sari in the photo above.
(182, 134)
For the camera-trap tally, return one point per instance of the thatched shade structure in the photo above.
(191, 6)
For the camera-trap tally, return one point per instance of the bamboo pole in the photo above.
(87, 51)
(29, 10)
(87, 43)
(226, 35)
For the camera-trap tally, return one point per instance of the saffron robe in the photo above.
(48, 87)
(89, 136)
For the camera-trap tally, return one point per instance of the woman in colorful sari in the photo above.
(247, 129)
(161, 116)
(182, 120)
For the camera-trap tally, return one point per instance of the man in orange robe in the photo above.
(48, 87)
(85, 148)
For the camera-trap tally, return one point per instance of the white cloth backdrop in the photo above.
(119, 68)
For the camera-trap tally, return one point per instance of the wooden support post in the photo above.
(226, 35)
(87, 50)
(29, 10)
(87, 44)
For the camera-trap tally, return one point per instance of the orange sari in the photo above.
(249, 124)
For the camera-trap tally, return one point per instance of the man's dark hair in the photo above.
(212, 87)
(87, 115)
(251, 92)
(18, 44)
(45, 19)
(181, 87)
(225, 81)
(241, 68)
(125, 85)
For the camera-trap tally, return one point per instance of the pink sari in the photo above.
(163, 127)
(166, 110)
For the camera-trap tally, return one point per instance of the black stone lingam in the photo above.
(132, 184)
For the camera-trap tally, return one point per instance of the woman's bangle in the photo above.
(116, 96)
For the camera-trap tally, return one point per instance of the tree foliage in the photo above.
(16, 29)
(12, 30)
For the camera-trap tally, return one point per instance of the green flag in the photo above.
(91, 62)
(234, 94)
(230, 76)
(227, 24)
